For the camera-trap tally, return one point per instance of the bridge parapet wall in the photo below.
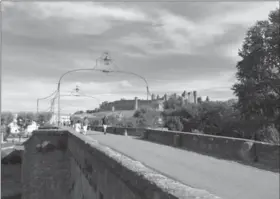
(45, 165)
(60, 164)
(259, 154)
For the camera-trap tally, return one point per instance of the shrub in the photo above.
(146, 117)
(93, 122)
(6, 118)
(173, 123)
(127, 122)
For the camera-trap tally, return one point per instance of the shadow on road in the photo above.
(18, 196)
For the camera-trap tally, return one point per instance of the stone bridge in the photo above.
(147, 164)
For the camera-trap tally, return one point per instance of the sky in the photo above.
(175, 46)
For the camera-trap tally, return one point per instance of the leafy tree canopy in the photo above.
(258, 72)
(6, 118)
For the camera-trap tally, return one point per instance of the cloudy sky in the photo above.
(175, 46)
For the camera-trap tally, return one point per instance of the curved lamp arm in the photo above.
(44, 99)
(130, 73)
(59, 82)
(48, 96)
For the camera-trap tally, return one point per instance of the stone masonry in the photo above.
(59, 164)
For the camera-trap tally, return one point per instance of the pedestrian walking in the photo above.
(78, 127)
(72, 124)
(85, 125)
(105, 123)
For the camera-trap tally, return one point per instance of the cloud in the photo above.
(87, 10)
(20, 94)
(187, 35)
(87, 17)
(222, 83)
(174, 46)
(125, 84)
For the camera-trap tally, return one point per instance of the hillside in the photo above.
(99, 115)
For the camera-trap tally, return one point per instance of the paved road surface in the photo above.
(226, 179)
(12, 141)
(7, 145)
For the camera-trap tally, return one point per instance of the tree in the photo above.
(43, 117)
(258, 73)
(30, 116)
(146, 116)
(112, 120)
(78, 112)
(92, 111)
(173, 102)
(184, 94)
(173, 123)
(22, 122)
(27, 116)
(6, 118)
(74, 118)
(94, 122)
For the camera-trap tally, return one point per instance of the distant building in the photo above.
(14, 128)
(63, 118)
(133, 104)
(156, 102)
(32, 127)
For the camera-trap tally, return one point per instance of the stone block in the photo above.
(47, 146)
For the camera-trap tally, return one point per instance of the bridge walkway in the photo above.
(227, 179)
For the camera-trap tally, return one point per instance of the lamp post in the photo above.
(107, 61)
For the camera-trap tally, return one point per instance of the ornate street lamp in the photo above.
(107, 60)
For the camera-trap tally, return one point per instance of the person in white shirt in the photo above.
(78, 126)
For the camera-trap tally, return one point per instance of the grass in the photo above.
(98, 115)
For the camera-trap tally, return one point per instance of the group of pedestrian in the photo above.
(81, 126)
(66, 123)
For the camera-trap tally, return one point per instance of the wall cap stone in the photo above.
(47, 132)
(196, 134)
(215, 136)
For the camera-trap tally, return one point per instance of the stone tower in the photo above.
(136, 103)
(153, 96)
(189, 97)
(194, 97)
(165, 97)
